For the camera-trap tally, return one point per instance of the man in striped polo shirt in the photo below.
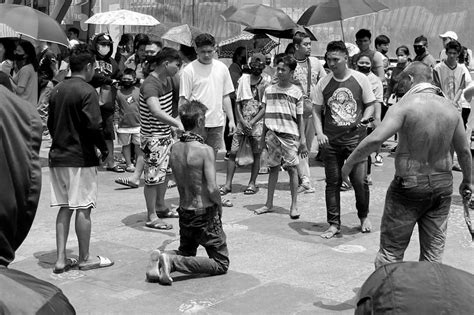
(283, 132)
(156, 94)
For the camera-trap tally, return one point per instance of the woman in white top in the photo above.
(25, 80)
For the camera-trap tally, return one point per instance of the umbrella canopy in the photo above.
(25, 294)
(284, 33)
(6, 31)
(252, 42)
(338, 10)
(122, 17)
(260, 17)
(182, 34)
(32, 23)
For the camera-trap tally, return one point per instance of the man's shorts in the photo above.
(281, 147)
(108, 124)
(156, 155)
(128, 138)
(214, 137)
(237, 141)
(73, 187)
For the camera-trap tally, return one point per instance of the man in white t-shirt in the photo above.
(208, 81)
(306, 64)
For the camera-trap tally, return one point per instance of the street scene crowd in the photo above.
(172, 110)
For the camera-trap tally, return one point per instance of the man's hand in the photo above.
(247, 128)
(231, 127)
(465, 190)
(302, 150)
(103, 155)
(322, 139)
(345, 171)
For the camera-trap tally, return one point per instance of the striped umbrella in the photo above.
(6, 31)
(252, 42)
(122, 17)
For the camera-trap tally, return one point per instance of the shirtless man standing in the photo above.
(428, 126)
(200, 208)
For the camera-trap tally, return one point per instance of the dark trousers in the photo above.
(205, 230)
(334, 157)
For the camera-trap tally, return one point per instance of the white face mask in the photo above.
(103, 50)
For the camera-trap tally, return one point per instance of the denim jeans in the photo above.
(334, 157)
(201, 229)
(422, 199)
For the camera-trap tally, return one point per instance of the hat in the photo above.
(104, 39)
(449, 34)
(258, 56)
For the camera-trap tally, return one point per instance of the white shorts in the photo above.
(74, 187)
(127, 138)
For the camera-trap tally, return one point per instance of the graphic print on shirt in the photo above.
(343, 107)
(103, 67)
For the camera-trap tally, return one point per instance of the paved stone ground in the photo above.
(278, 265)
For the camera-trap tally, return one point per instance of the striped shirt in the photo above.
(281, 107)
(153, 87)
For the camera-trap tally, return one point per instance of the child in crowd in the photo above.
(283, 132)
(127, 117)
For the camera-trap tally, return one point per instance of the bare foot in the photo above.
(262, 210)
(330, 232)
(165, 270)
(294, 214)
(365, 225)
(153, 269)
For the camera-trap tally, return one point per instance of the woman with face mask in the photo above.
(25, 79)
(403, 60)
(6, 55)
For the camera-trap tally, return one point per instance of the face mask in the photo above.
(126, 83)
(103, 50)
(268, 62)
(402, 59)
(256, 71)
(384, 51)
(364, 69)
(419, 50)
(19, 57)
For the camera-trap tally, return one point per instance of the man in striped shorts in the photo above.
(156, 94)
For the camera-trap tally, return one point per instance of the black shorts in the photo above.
(108, 125)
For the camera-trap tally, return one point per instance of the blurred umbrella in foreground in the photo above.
(252, 42)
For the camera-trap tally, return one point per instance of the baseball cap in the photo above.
(449, 34)
(258, 56)
(105, 39)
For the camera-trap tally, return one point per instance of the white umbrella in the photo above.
(122, 17)
(7, 31)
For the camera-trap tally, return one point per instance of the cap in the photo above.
(105, 38)
(449, 34)
(258, 56)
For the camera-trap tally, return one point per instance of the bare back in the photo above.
(192, 164)
(429, 125)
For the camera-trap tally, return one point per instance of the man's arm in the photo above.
(318, 125)
(155, 109)
(210, 177)
(227, 106)
(463, 150)
(368, 111)
(302, 150)
(392, 122)
(377, 67)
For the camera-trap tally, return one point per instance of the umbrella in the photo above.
(289, 33)
(339, 10)
(182, 34)
(260, 17)
(249, 41)
(32, 23)
(25, 294)
(122, 17)
(6, 31)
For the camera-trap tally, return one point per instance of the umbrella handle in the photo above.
(342, 31)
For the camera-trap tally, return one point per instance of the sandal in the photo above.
(227, 203)
(116, 169)
(158, 225)
(224, 190)
(167, 213)
(262, 210)
(130, 168)
(70, 263)
(250, 190)
(126, 182)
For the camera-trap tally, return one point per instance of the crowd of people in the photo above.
(171, 111)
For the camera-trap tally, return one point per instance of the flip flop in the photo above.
(70, 263)
(330, 233)
(250, 190)
(294, 216)
(227, 203)
(116, 169)
(102, 263)
(224, 191)
(262, 210)
(167, 213)
(171, 184)
(126, 182)
(158, 225)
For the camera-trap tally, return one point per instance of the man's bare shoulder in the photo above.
(197, 148)
(426, 102)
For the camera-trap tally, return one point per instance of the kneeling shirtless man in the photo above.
(200, 208)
